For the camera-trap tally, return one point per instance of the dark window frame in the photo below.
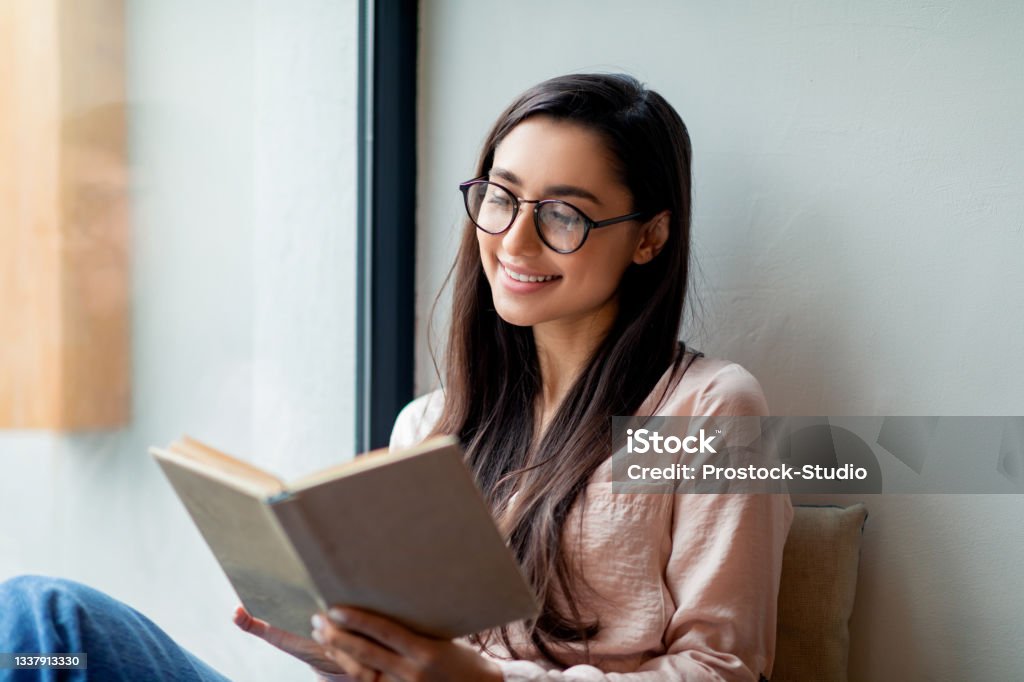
(386, 240)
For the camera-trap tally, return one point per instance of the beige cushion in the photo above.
(819, 580)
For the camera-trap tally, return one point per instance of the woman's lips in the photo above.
(520, 282)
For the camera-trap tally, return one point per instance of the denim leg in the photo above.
(40, 614)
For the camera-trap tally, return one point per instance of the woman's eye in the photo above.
(563, 218)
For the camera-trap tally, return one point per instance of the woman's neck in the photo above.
(563, 349)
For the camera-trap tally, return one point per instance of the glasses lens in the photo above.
(489, 206)
(562, 226)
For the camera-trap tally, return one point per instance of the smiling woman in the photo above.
(564, 316)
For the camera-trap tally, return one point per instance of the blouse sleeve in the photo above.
(415, 420)
(723, 574)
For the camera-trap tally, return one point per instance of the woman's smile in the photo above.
(522, 280)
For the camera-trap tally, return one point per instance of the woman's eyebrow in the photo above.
(551, 191)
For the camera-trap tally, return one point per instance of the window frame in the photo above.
(386, 239)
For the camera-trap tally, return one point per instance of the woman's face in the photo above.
(544, 158)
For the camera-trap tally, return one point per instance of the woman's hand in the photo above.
(305, 650)
(364, 644)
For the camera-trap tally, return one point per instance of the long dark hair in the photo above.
(492, 375)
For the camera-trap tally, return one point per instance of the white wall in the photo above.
(242, 132)
(859, 225)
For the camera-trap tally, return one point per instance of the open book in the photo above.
(406, 534)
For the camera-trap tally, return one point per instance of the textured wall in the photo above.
(242, 123)
(859, 226)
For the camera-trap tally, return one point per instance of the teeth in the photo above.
(527, 278)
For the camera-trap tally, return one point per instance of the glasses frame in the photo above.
(589, 224)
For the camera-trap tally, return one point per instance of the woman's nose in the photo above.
(521, 239)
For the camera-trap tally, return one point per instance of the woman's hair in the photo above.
(492, 375)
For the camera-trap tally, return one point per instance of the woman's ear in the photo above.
(653, 236)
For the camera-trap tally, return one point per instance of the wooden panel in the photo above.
(64, 279)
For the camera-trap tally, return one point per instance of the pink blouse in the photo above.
(689, 581)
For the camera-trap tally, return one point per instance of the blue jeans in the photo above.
(39, 614)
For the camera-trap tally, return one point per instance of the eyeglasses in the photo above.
(560, 225)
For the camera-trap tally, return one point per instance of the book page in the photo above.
(223, 467)
(254, 552)
(366, 461)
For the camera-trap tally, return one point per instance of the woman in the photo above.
(569, 288)
(568, 295)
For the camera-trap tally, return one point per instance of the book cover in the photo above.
(406, 534)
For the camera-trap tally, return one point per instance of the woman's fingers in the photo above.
(366, 652)
(304, 649)
(348, 664)
(377, 627)
(282, 639)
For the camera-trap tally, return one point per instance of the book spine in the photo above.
(280, 497)
(307, 548)
(286, 532)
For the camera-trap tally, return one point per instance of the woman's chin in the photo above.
(519, 320)
(519, 315)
